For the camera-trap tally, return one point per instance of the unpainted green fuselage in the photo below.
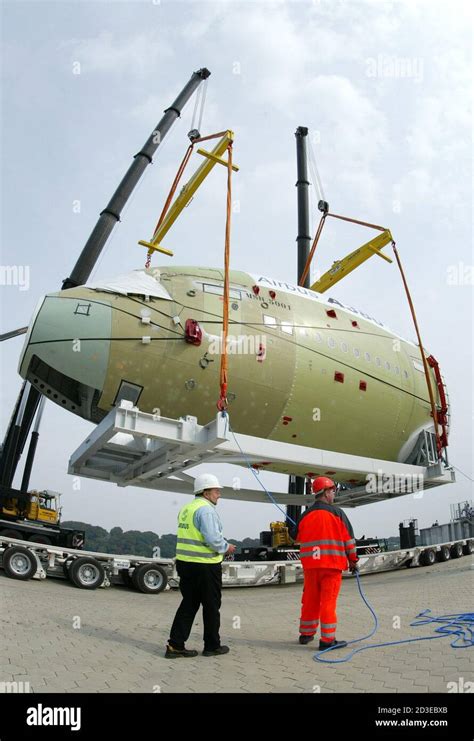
(301, 368)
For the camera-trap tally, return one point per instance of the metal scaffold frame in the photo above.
(133, 448)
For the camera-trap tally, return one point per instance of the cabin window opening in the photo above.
(269, 321)
(234, 293)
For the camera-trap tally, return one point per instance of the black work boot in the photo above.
(332, 644)
(179, 653)
(304, 639)
(216, 651)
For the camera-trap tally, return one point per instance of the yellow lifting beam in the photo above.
(341, 268)
(188, 190)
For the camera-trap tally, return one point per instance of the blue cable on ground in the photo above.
(459, 625)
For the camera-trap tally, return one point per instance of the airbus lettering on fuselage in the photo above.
(302, 291)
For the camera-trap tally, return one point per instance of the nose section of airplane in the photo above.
(66, 350)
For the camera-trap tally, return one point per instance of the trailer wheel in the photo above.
(19, 563)
(86, 573)
(149, 579)
(468, 548)
(11, 534)
(428, 557)
(456, 550)
(444, 554)
(43, 539)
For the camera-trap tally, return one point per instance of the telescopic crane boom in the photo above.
(28, 400)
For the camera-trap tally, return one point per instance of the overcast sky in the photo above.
(385, 89)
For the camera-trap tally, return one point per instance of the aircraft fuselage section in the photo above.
(301, 368)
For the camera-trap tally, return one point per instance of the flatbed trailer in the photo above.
(23, 559)
(420, 555)
(257, 573)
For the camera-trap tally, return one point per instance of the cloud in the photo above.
(107, 52)
(294, 64)
(438, 138)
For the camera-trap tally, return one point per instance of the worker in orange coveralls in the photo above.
(326, 540)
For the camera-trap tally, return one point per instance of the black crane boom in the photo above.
(29, 398)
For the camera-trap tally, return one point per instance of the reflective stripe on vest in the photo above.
(318, 548)
(351, 546)
(190, 544)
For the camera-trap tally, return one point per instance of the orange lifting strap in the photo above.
(318, 234)
(222, 402)
(175, 184)
(434, 411)
(438, 417)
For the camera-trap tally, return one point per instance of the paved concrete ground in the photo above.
(119, 638)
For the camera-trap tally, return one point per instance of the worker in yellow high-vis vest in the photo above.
(200, 549)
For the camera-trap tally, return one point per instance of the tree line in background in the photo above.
(135, 542)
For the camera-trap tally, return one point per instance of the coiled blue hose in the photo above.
(460, 625)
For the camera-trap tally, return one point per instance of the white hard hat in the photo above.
(206, 481)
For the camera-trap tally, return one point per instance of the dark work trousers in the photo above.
(200, 584)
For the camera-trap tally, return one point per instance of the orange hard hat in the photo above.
(321, 483)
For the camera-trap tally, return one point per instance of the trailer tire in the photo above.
(66, 566)
(456, 550)
(42, 539)
(86, 573)
(149, 579)
(468, 548)
(428, 557)
(19, 563)
(444, 554)
(11, 534)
